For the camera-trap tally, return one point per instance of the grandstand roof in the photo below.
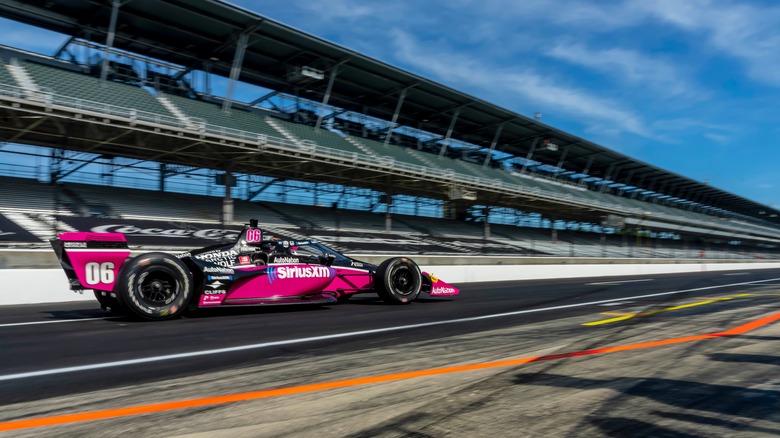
(192, 34)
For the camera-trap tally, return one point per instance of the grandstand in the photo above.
(588, 201)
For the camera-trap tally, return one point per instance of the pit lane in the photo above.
(92, 341)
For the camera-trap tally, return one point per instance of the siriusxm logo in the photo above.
(293, 272)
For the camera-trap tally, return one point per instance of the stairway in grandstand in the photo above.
(71, 81)
(42, 226)
(19, 74)
(176, 111)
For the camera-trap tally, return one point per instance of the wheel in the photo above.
(398, 280)
(155, 286)
(108, 303)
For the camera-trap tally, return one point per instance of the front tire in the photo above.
(398, 280)
(155, 286)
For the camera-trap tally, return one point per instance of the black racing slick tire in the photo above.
(398, 280)
(155, 286)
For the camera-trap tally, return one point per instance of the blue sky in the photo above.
(690, 86)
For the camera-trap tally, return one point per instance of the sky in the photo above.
(689, 86)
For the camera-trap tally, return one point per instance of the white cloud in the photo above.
(746, 32)
(718, 138)
(659, 76)
(514, 84)
(347, 10)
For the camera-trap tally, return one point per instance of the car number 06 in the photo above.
(100, 272)
(253, 236)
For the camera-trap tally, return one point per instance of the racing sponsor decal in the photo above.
(75, 244)
(244, 260)
(217, 255)
(183, 255)
(215, 284)
(434, 279)
(215, 292)
(286, 260)
(296, 272)
(254, 235)
(443, 290)
(209, 234)
(356, 264)
(206, 300)
(218, 270)
(220, 277)
(156, 232)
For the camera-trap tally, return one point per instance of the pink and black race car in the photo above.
(253, 270)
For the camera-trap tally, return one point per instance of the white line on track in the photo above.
(614, 283)
(737, 273)
(237, 348)
(56, 321)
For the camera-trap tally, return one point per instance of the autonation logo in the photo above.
(293, 272)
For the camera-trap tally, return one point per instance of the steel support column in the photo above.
(449, 132)
(587, 168)
(493, 144)
(115, 4)
(395, 115)
(388, 214)
(263, 98)
(529, 154)
(638, 186)
(333, 73)
(607, 177)
(163, 175)
(227, 203)
(235, 70)
(562, 160)
(487, 223)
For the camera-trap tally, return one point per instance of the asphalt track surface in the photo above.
(74, 349)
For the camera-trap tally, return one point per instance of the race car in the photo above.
(255, 269)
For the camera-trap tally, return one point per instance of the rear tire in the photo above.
(155, 286)
(398, 280)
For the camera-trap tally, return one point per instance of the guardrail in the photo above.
(34, 286)
(44, 258)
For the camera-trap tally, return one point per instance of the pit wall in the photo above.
(48, 284)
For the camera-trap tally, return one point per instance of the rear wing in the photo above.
(91, 260)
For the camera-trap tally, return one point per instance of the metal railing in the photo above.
(261, 141)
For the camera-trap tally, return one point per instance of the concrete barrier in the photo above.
(31, 286)
(467, 274)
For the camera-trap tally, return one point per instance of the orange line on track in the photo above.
(255, 395)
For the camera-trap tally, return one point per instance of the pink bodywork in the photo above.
(291, 280)
(440, 288)
(95, 268)
(98, 269)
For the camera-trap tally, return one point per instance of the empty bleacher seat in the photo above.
(212, 114)
(320, 137)
(89, 88)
